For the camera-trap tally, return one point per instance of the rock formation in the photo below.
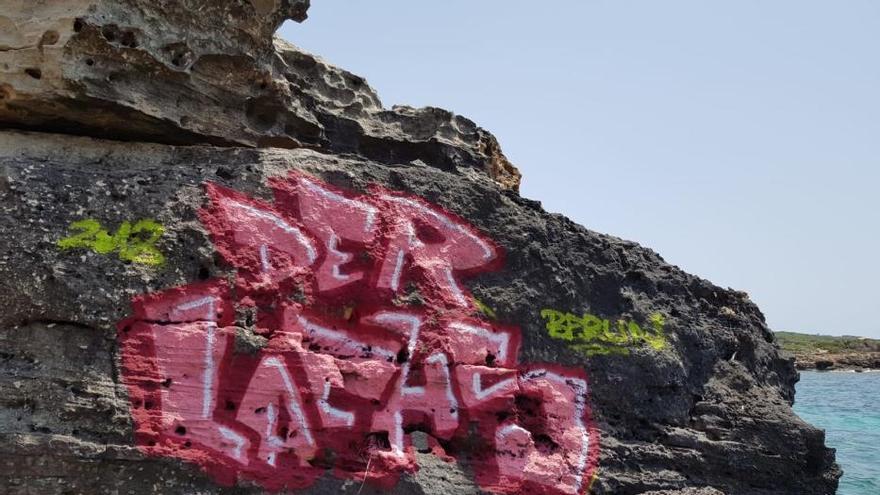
(838, 362)
(227, 268)
(830, 353)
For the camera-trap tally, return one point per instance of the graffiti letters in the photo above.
(135, 243)
(592, 335)
(349, 369)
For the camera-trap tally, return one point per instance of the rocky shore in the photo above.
(868, 361)
(831, 353)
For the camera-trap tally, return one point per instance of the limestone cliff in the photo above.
(225, 267)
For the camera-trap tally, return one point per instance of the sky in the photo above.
(738, 139)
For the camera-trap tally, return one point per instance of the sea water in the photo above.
(847, 406)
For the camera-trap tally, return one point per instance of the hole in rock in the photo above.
(180, 430)
(490, 360)
(78, 25)
(179, 54)
(129, 40)
(110, 32)
(427, 233)
(378, 439)
(50, 37)
(34, 72)
(262, 113)
(224, 173)
(545, 444)
(402, 356)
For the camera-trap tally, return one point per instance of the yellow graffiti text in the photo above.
(592, 335)
(135, 243)
(486, 310)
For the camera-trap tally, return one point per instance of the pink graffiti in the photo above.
(349, 367)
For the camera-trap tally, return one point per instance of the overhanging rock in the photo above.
(209, 72)
(226, 268)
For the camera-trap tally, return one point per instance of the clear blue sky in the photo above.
(739, 139)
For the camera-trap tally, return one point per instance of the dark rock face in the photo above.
(687, 390)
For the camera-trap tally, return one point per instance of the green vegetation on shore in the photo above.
(799, 343)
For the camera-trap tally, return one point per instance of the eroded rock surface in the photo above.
(148, 71)
(244, 275)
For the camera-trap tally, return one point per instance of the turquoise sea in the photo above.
(847, 407)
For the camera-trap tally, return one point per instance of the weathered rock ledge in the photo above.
(134, 70)
(226, 268)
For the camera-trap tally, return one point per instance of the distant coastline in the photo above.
(830, 353)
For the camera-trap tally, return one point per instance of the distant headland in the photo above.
(829, 353)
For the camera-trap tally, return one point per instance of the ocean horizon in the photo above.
(846, 405)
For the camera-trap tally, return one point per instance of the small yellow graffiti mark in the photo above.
(592, 335)
(347, 312)
(486, 310)
(135, 243)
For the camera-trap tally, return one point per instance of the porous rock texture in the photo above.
(209, 72)
(124, 110)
